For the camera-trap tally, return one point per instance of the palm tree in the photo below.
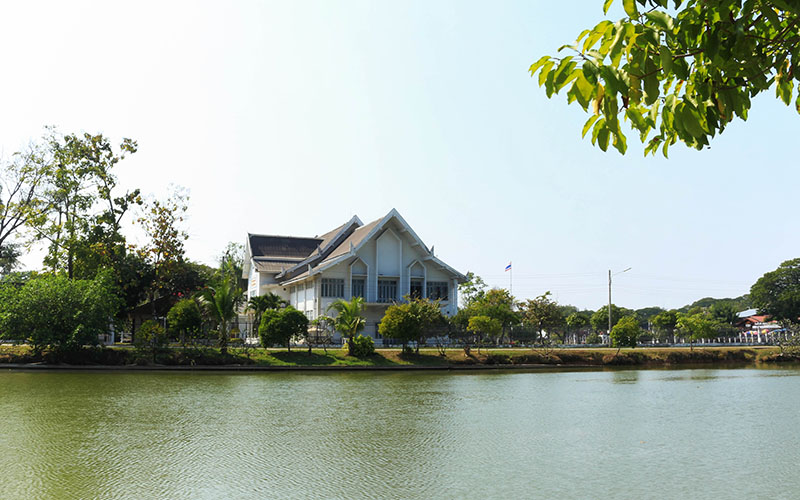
(261, 303)
(349, 320)
(221, 304)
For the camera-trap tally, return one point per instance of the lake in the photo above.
(632, 434)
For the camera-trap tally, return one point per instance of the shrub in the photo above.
(151, 335)
(280, 327)
(362, 347)
(57, 312)
(184, 320)
(593, 338)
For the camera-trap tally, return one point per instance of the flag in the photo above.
(508, 267)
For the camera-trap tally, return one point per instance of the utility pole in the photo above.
(609, 301)
(609, 307)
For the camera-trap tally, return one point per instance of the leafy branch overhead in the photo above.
(680, 76)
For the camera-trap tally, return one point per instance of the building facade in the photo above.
(382, 261)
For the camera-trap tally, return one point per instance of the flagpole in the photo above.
(511, 280)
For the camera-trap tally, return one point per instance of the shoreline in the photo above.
(388, 360)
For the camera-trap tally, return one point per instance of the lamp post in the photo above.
(609, 300)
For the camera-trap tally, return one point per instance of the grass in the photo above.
(206, 356)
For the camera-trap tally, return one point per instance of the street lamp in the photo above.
(609, 299)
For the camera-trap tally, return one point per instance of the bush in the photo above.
(151, 335)
(184, 320)
(362, 347)
(57, 312)
(593, 338)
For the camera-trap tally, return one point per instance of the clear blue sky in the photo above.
(289, 117)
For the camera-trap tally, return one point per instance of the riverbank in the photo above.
(384, 359)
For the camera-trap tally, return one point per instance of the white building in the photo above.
(382, 261)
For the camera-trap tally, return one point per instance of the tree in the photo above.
(684, 76)
(220, 305)
(260, 303)
(599, 319)
(54, 311)
(777, 293)
(725, 313)
(697, 326)
(22, 184)
(231, 262)
(484, 325)
(472, 290)
(184, 320)
(664, 324)
(281, 326)
(164, 250)
(9, 258)
(497, 303)
(411, 320)
(349, 319)
(322, 332)
(544, 314)
(83, 212)
(577, 321)
(626, 332)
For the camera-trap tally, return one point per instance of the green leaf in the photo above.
(636, 118)
(630, 8)
(602, 139)
(546, 69)
(620, 142)
(589, 124)
(691, 121)
(600, 125)
(538, 64)
(661, 19)
(650, 82)
(666, 59)
(797, 102)
(606, 5)
(564, 73)
(582, 89)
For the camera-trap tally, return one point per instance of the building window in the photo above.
(416, 288)
(387, 290)
(358, 287)
(332, 287)
(437, 290)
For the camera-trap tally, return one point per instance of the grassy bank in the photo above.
(122, 356)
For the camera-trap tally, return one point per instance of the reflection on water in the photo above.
(611, 434)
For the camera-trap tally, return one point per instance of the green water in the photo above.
(685, 434)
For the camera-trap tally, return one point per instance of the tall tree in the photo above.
(164, 250)
(411, 320)
(544, 314)
(81, 199)
(472, 290)
(677, 75)
(23, 180)
(777, 293)
(626, 332)
(664, 324)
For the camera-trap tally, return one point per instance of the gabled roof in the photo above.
(307, 256)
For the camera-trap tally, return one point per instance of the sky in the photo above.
(290, 117)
